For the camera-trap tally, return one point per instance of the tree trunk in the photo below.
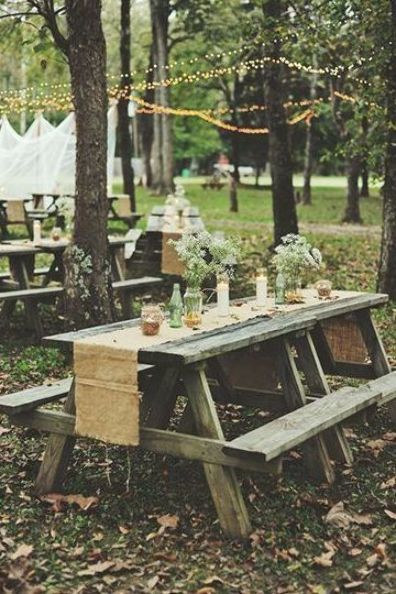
(123, 118)
(387, 270)
(309, 145)
(163, 165)
(284, 208)
(146, 126)
(88, 278)
(233, 194)
(352, 210)
(364, 173)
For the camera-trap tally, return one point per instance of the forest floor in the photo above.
(144, 523)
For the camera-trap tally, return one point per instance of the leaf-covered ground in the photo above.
(136, 522)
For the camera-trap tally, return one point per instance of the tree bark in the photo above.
(364, 173)
(387, 270)
(88, 278)
(146, 127)
(284, 208)
(233, 194)
(163, 165)
(124, 134)
(309, 144)
(352, 209)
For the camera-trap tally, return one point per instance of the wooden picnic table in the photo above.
(197, 366)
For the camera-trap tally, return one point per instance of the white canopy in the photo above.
(43, 159)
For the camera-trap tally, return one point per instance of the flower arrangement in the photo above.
(295, 254)
(204, 255)
(66, 208)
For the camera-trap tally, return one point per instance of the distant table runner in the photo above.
(106, 370)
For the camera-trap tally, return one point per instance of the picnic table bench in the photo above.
(291, 341)
(21, 262)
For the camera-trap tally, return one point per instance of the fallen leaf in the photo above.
(123, 529)
(390, 514)
(380, 549)
(153, 582)
(213, 580)
(372, 560)
(100, 567)
(206, 590)
(168, 521)
(390, 436)
(337, 516)
(23, 550)
(57, 501)
(389, 483)
(4, 430)
(377, 445)
(355, 552)
(325, 559)
(352, 585)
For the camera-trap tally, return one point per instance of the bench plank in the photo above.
(29, 399)
(292, 429)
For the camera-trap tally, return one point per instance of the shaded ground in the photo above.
(145, 523)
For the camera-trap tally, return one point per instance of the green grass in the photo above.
(255, 206)
(137, 488)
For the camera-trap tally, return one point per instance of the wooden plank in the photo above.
(357, 370)
(136, 283)
(57, 455)
(373, 343)
(156, 440)
(31, 398)
(296, 427)
(35, 293)
(222, 481)
(206, 345)
(316, 457)
(335, 437)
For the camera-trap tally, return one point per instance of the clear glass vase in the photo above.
(293, 292)
(192, 307)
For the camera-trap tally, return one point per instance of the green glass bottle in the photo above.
(280, 288)
(175, 308)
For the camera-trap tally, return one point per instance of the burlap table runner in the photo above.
(106, 370)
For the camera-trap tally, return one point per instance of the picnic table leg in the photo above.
(316, 456)
(335, 437)
(222, 481)
(118, 274)
(31, 309)
(375, 349)
(160, 397)
(57, 455)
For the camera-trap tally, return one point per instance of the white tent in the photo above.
(43, 159)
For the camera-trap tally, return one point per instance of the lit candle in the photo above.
(261, 289)
(223, 297)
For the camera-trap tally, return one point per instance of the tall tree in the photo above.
(309, 142)
(163, 141)
(88, 278)
(284, 208)
(124, 134)
(387, 271)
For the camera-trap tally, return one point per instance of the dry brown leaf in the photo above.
(4, 430)
(325, 559)
(389, 483)
(372, 560)
(376, 445)
(213, 580)
(337, 516)
(153, 582)
(355, 552)
(23, 550)
(390, 514)
(390, 436)
(352, 585)
(100, 567)
(206, 590)
(57, 501)
(380, 549)
(168, 521)
(123, 529)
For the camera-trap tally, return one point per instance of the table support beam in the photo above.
(222, 481)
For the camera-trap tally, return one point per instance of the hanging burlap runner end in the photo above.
(107, 396)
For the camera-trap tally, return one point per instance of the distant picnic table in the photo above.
(242, 363)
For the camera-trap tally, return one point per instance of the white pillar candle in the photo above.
(261, 290)
(36, 232)
(223, 299)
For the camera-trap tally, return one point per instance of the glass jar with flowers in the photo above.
(203, 256)
(294, 255)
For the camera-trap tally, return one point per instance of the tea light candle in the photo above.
(223, 298)
(261, 289)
